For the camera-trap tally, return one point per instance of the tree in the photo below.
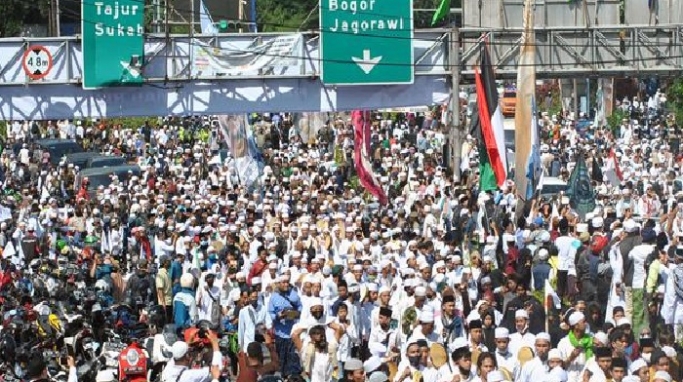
(12, 15)
(15, 13)
(674, 98)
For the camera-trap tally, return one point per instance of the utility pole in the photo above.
(58, 24)
(240, 14)
(455, 128)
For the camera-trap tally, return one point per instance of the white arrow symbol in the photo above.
(366, 63)
(133, 71)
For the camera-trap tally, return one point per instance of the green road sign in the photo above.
(113, 42)
(366, 42)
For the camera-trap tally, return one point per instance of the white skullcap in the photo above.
(179, 349)
(495, 376)
(669, 351)
(420, 291)
(597, 222)
(581, 228)
(186, 280)
(601, 337)
(377, 349)
(637, 365)
(427, 317)
(575, 318)
(662, 375)
(458, 343)
(372, 287)
(316, 301)
(543, 336)
(543, 254)
(256, 281)
(554, 354)
(521, 313)
(502, 333)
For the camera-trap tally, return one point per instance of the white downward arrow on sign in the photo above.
(366, 63)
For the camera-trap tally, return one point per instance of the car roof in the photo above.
(110, 170)
(103, 157)
(54, 142)
(83, 155)
(551, 180)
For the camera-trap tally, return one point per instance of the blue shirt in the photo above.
(279, 302)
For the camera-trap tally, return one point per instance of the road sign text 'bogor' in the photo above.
(113, 42)
(366, 42)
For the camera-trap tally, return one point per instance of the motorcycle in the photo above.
(133, 363)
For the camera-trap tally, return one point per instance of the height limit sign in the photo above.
(37, 62)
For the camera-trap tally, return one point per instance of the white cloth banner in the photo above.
(309, 124)
(258, 57)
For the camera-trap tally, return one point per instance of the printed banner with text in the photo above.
(259, 57)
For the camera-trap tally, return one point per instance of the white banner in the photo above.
(309, 124)
(258, 57)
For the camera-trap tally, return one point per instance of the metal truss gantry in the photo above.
(614, 51)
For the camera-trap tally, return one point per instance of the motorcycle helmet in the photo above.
(187, 280)
(102, 286)
(9, 348)
(157, 316)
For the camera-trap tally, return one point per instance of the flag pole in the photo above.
(455, 131)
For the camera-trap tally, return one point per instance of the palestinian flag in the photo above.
(488, 127)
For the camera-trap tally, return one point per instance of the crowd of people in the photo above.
(314, 280)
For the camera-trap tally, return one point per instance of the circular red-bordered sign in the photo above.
(37, 62)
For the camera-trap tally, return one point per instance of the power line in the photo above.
(383, 63)
(291, 27)
(386, 36)
(389, 37)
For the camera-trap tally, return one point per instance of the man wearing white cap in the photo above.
(425, 329)
(521, 337)
(537, 368)
(576, 347)
(504, 358)
(178, 369)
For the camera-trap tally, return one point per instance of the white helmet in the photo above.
(102, 286)
(186, 280)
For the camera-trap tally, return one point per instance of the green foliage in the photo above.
(674, 98)
(614, 120)
(354, 183)
(3, 131)
(131, 122)
(14, 12)
(286, 15)
(293, 15)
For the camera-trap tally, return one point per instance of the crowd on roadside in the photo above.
(313, 278)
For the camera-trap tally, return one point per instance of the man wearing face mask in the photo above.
(251, 317)
(410, 368)
(139, 286)
(460, 368)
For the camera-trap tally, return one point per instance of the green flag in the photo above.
(442, 11)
